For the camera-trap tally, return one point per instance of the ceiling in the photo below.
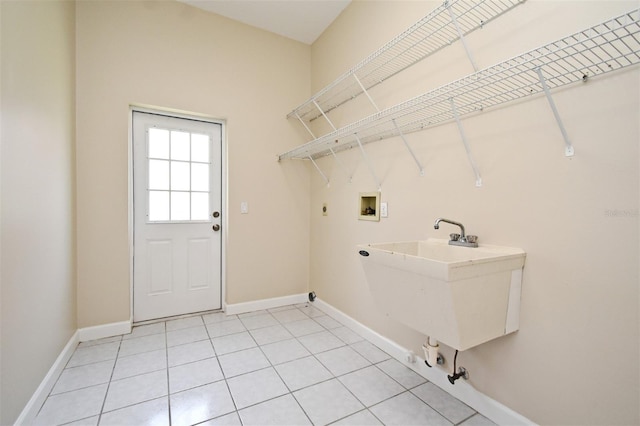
(302, 20)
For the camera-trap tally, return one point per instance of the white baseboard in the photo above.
(105, 330)
(258, 305)
(488, 407)
(30, 411)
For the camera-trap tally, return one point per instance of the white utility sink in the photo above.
(461, 296)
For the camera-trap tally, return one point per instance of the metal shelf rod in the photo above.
(335, 157)
(366, 93)
(305, 126)
(326, 179)
(465, 142)
(324, 115)
(406, 144)
(369, 165)
(461, 36)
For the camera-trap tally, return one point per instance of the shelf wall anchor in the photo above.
(408, 147)
(326, 179)
(461, 36)
(568, 150)
(366, 160)
(466, 143)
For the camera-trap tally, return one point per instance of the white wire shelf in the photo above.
(430, 34)
(606, 47)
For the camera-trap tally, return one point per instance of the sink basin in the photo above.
(460, 296)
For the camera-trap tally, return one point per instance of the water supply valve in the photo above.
(462, 372)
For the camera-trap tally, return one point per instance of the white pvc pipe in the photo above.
(431, 351)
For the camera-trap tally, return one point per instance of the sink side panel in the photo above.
(412, 299)
(480, 306)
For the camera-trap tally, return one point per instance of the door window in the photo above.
(178, 182)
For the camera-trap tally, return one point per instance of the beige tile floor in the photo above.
(288, 366)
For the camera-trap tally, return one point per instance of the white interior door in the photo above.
(177, 189)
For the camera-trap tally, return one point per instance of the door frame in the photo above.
(169, 112)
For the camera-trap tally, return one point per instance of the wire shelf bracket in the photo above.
(568, 149)
(324, 115)
(606, 47)
(305, 126)
(369, 165)
(465, 142)
(406, 144)
(326, 179)
(364, 90)
(461, 36)
(335, 157)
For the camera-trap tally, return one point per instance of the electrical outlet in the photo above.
(383, 210)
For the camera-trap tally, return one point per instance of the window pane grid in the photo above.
(178, 179)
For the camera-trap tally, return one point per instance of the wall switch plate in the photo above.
(244, 207)
(383, 210)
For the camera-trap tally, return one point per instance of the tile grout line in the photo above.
(106, 393)
(166, 351)
(280, 377)
(224, 377)
(335, 377)
(271, 365)
(465, 419)
(312, 355)
(130, 377)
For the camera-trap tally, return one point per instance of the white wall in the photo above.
(575, 358)
(170, 55)
(38, 293)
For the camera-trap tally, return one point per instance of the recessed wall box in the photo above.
(369, 206)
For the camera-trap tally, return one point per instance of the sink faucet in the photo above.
(463, 240)
(440, 219)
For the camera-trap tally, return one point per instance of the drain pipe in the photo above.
(431, 355)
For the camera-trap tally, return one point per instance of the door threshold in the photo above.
(175, 317)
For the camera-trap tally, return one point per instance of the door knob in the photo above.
(216, 227)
